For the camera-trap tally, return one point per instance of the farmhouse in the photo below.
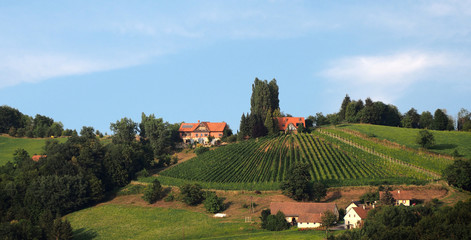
(356, 215)
(303, 215)
(401, 197)
(201, 131)
(290, 124)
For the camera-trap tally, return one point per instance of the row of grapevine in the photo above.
(268, 159)
(428, 163)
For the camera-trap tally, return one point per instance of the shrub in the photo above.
(276, 222)
(169, 198)
(143, 173)
(200, 150)
(213, 203)
(153, 192)
(425, 139)
(192, 194)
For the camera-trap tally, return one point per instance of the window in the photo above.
(197, 134)
(220, 134)
(206, 135)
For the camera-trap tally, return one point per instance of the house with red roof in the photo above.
(201, 131)
(303, 215)
(401, 197)
(290, 124)
(355, 216)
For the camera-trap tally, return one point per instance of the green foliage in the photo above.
(200, 150)
(387, 198)
(213, 203)
(125, 131)
(328, 220)
(274, 222)
(459, 174)
(440, 120)
(425, 139)
(343, 107)
(369, 197)
(411, 119)
(319, 191)
(61, 230)
(192, 194)
(132, 189)
(426, 120)
(153, 192)
(297, 184)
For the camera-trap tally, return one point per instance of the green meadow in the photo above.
(33, 146)
(112, 221)
(446, 142)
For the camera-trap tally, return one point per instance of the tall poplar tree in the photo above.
(343, 107)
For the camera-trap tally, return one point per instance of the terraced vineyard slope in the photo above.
(267, 160)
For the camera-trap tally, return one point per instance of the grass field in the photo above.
(33, 146)
(446, 141)
(112, 221)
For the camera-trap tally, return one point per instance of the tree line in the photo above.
(78, 173)
(17, 124)
(379, 113)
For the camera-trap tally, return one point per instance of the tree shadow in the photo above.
(443, 146)
(227, 205)
(85, 234)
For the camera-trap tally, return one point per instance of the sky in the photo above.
(91, 63)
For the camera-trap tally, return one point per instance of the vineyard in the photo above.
(267, 160)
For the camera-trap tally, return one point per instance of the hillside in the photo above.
(33, 146)
(446, 141)
(266, 161)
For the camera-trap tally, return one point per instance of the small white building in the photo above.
(303, 215)
(356, 215)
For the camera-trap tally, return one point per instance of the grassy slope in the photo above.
(8, 145)
(133, 222)
(446, 142)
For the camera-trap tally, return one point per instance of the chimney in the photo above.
(398, 191)
(198, 121)
(363, 206)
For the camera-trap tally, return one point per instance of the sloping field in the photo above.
(267, 160)
(446, 141)
(33, 146)
(112, 221)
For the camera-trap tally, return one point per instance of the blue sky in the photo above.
(89, 63)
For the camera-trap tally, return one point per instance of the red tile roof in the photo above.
(212, 126)
(37, 157)
(362, 212)
(399, 195)
(306, 212)
(283, 122)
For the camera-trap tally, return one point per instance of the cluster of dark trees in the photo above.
(264, 107)
(17, 124)
(378, 113)
(78, 173)
(428, 221)
(458, 174)
(299, 185)
(193, 194)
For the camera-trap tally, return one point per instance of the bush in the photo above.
(200, 150)
(153, 192)
(169, 198)
(425, 139)
(276, 222)
(143, 173)
(192, 194)
(213, 203)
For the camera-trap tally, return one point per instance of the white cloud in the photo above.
(386, 77)
(36, 67)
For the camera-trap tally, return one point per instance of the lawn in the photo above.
(33, 146)
(111, 221)
(446, 141)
